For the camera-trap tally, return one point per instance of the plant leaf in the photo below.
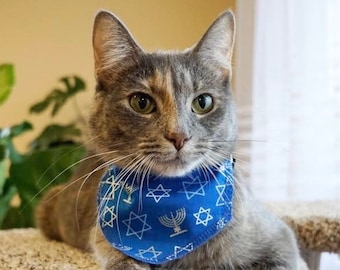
(39, 171)
(14, 155)
(6, 136)
(5, 201)
(15, 218)
(73, 87)
(6, 81)
(55, 135)
(40, 106)
(3, 167)
(13, 131)
(20, 128)
(57, 98)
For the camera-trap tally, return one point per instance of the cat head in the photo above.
(163, 112)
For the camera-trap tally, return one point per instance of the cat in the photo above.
(165, 114)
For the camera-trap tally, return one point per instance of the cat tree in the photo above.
(316, 224)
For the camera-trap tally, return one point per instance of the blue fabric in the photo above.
(161, 219)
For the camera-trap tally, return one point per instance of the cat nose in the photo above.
(178, 139)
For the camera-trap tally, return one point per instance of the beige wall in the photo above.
(46, 40)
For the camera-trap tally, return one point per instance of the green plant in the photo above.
(6, 81)
(24, 177)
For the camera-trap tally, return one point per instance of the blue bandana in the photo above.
(164, 218)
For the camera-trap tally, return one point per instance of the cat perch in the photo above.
(316, 224)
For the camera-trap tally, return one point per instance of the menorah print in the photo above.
(130, 189)
(174, 221)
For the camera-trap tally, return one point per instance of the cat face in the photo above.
(163, 112)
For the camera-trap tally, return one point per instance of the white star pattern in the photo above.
(188, 186)
(158, 193)
(108, 221)
(220, 190)
(203, 220)
(178, 249)
(187, 248)
(229, 180)
(151, 250)
(136, 228)
(113, 187)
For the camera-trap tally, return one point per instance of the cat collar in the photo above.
(158, 219)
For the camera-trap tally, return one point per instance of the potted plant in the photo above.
(49, 160)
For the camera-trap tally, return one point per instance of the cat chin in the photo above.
(174, 168)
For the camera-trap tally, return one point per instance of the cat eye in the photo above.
(202, 104)
(142, 103)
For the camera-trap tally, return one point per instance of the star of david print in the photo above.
(203, 216)
(108, 216)
(136, 225)
(113, 186)
(149, 254)
(193, 188)
(220, 190)
(178, 250)
(158, 193)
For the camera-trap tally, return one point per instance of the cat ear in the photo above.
(216, 45)
(112, 42)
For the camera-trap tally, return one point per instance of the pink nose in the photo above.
(178, 139)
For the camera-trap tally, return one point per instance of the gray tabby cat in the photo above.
(168, 113)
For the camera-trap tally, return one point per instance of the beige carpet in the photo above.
(316, 224)
(27, 249)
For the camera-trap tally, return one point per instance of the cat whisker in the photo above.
(80, 178)
(98, 168)
(53, 164)
(57, 176)
(124, 171)
(100, 155)
(214, 160)
(120, 176)
(239, 180)
(125, 174)
(235, 140)
(148, 165)
(219, 155)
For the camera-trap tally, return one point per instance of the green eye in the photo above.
(142, 103)
(202, 104)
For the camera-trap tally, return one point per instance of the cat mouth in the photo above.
(175, 158)
(174, 161)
